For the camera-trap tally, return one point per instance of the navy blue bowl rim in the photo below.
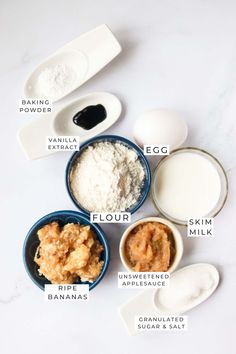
(81, 216)
(118, 138)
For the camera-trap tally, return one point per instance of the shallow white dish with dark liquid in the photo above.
(32, 137)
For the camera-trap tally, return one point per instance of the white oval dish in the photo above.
(61, 125)
(75, 62)
(160, 127)
(176, 234)
(32, 137)
(147, 303)
(189, 287)
(82, 58)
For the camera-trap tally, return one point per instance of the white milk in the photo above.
(188, 185)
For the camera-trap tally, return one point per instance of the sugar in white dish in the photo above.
(188, 287)
(187, 185)
(55, 81)
(107, 177)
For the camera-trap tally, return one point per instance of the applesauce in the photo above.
(150, 247)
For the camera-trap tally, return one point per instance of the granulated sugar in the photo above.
(107, 177)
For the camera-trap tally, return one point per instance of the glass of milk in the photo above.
(189, 183)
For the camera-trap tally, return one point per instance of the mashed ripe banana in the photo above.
(68, 253)
(150, 247)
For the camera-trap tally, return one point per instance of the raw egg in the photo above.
(160, 127)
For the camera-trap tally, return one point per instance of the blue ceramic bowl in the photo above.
(113, 139)
(63, 217)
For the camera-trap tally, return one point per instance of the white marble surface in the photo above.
(179, 54)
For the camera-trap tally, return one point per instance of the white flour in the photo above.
(107, 178)
(55, 81)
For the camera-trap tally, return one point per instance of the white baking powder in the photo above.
(107, 178)
(55, 81)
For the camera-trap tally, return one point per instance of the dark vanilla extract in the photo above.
(90, 116)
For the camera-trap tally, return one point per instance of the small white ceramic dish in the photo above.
(85, 56)
(176, 235)
(152, 302)
(186, 298)
(32, 137)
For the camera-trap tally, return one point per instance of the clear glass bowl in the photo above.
(223, 179)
